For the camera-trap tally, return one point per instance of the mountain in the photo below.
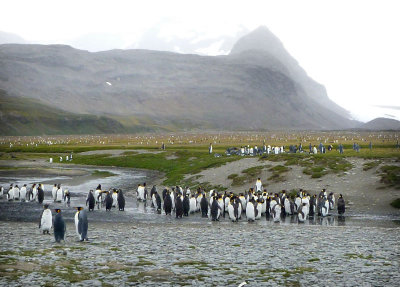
(266, 49)
(10, 38)
(248, 90)
(381, 124)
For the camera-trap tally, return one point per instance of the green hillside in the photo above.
(22, 116)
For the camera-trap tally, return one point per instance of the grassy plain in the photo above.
(187, 153)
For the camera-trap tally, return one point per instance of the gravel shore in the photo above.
(207, 254)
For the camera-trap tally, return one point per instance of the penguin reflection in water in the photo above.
(46, 220)
(81, 223)
(59, 226)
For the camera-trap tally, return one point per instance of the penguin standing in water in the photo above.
(108, 201)
(22, 193)
(168, 203)
(97, 195)
(40, 194)
(251, 210)
(153, 191)
(192, 204)
(67, 197)
(186, 205)
(121, 200)
(233, 209)
(313, 202)
(320, 203)
(331, 199)
(179, 206)
(238, 206)
(341, 206)
(10, 193)
(276, 212)
(34, 192)
(114, 197)
(16, 192)
(204, 205)
(59, 226)
(46, 219)
(59, 194)
(289, 206)
(158, 202)
(90, 200)
(81, 223)
(54, 192)
(325, 207)
(215, 212)
(259, 205)
(221, 204)
(302, 213)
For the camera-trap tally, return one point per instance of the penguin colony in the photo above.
(251, 205)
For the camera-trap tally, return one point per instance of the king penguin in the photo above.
(179, 206)
(90, 200)
(341, 206)
(108, 201)
(59, 226)
(81, 223)
(22, 193)
(276, 213)
(40, 194)
(204, 205)
(215, 210)
(168, 203)
(302, 212)
(121, 200)
(251, 210)
(114, 197)
(331, 199)
(158, 202)
(153, 191)
(46, 219)
(54, 192)
(186, 205)
(192, 204)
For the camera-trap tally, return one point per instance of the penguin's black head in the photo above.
(79, 208)
(341, 196)
(45, 206)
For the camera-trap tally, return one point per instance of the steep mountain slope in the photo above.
(264, 44)
(242, 91)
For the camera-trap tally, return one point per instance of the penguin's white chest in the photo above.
(77, 223)
(250, 211)
(46, 221)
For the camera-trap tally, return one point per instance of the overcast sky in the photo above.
(351, 47)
